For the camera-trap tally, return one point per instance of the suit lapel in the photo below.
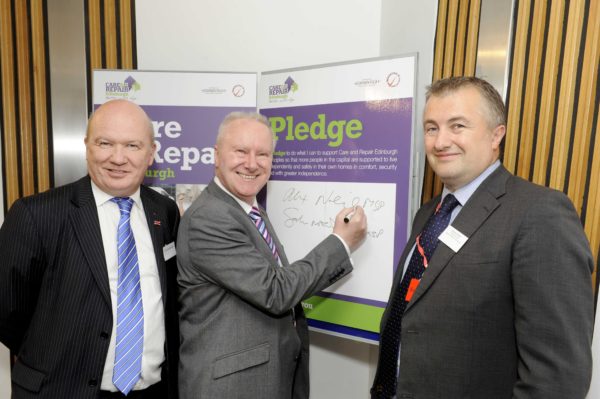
(156, 222)
(239, 214)
(85, 224)
(473, 214)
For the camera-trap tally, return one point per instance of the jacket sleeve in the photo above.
(553, 301)
(22, 265)
(221, 251)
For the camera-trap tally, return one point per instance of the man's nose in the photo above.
(118, 154)
(443, 139)
(251, 161)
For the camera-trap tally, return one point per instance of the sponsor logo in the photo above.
(213, 90)
(238, 90)
(283, 91)
(393, 79)
(367, 82)
(125, 89)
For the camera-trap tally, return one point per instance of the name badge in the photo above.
(169, 250)
(453, 238)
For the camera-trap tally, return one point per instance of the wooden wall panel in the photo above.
(26, 135)
(567, 100)
(532, 81)
(10, 159)
(41, 101)
(24, 97)
(548, 96)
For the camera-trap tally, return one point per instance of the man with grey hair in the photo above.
(243, 331)
(493, 294)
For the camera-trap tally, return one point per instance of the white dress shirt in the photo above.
(153, 354)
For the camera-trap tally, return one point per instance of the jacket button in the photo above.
(93, 382)
(104, 335)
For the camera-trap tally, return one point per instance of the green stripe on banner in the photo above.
(356, 315)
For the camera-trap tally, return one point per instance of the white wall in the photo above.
(254, 35)
(265, 35)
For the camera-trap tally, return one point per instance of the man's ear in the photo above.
(497, 136)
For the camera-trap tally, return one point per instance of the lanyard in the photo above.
(414, 283)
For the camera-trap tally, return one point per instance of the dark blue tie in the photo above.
(130, 314)
(384, 386)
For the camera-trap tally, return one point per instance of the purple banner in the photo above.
(185, 137)
(363, 142)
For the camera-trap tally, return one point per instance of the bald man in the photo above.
(87, 278)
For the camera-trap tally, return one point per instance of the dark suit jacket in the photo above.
(55, 305)
(510, 315)
(238, 338)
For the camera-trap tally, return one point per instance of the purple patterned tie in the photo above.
(262, 229)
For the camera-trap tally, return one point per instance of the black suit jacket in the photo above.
(55, 305)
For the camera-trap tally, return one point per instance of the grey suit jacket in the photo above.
(510, 315)
(238, 338)
(55, 305)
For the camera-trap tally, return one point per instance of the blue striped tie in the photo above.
(130, 314)
(262, 229)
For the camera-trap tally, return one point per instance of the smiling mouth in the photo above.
(117, 171)
(247, 177)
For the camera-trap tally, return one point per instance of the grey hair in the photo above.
(238, 115)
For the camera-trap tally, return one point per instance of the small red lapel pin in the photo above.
(157, 222)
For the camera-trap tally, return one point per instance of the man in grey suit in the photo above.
(243, 331)
(62, 275)
(503, 306)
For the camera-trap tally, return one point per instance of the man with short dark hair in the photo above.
(87, 277)
(493, 295)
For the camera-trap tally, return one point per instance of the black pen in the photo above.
(349, 216)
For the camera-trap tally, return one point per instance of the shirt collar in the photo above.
(465, 192)
(245, 206)
(100, 197)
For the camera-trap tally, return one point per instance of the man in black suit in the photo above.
(65, 280)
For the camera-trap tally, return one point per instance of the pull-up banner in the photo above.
(344, 138)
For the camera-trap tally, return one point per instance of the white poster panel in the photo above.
(344, 138)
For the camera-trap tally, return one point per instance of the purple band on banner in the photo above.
(355, 332)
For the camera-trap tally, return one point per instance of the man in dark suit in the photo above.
(500, 304)
(66, 278)
(243, 330)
